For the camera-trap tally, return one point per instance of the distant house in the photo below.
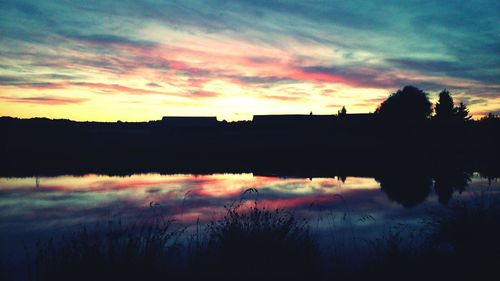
(357, 122)
(189, 121)
(358, 118)
(291, 120)
(303, 120)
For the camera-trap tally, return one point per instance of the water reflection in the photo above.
(185, 197)
(38, 207)
(407, 189)
(191, 197)
(446, 183)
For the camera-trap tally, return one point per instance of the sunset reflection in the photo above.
(58, 201)
(185, 197)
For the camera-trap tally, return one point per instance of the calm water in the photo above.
(38, 208)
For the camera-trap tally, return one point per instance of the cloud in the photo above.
(154, 85)
(446, 68)
(27, 84)
(283, 98)
(108, 39)
(260, 79)
(116, 88)
(366, 77)
(46, 100)
(9, 80)
(426, 65)
(204, 94)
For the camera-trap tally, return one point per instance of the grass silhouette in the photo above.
(248, 242)
(461, 244)
(253, 242)
(116, 252)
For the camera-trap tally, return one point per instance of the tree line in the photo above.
(411, 105)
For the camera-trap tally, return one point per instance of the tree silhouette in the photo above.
(446, 111)
(445, 106)
(342, 112)
(409, 105)
(489, 116)
(462, 112)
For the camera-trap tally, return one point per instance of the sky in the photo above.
(141, 60)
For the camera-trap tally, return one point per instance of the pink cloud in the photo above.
(117, 88)
(205, 94)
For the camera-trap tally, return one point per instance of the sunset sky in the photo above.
(141, 60)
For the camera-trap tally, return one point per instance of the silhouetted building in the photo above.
(308, 120)
(291, 119)
(189, 121)
(358, 118)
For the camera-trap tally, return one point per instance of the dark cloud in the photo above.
(56, 76)
(8, 80)
(115, 88)
(47, 100)
(32, 80)
(107, 39)
(447, 68)
(29, 10)
(261, 79)
(204, 94)
(152, 84)
(26, 82)
(284, 98)
(426, 65)
(470, 100)
(374, 77)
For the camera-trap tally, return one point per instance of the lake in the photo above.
(340, 209)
